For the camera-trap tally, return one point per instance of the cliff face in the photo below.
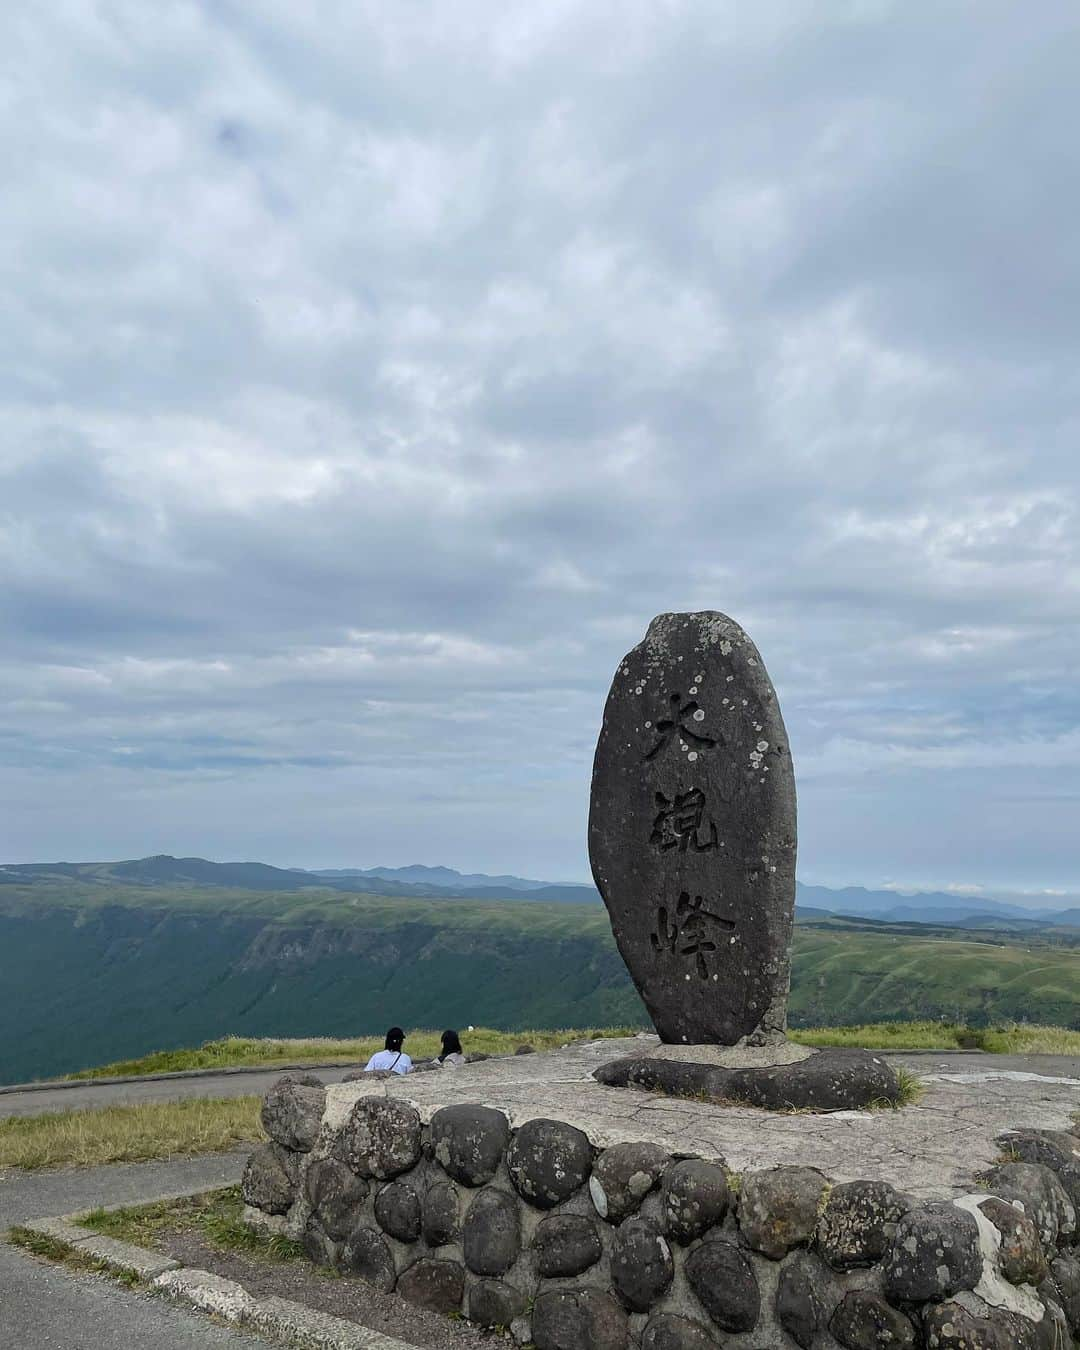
(85, 986)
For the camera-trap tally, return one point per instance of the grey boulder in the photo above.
(548, 1161)
(491, 1236)
(366, 1253)
(578, 1319)
(380, 1138)
(565, 1244)
(864, 1321)
(934, 1253)
(292, 1112)
(440, 1214)
(641, 1264)
(1038, 1190)
(623, 1176)
(1021, 1255)
(949, 1326)
(858, 1223)
(397, 1211)
(725, 1284)
(694, 1197)
(433, 1283)
(270, 1178)
(469, 1142)
(778, 1208)
(493, 1303)
(803, 1297)
(335, 1194)
(669, 1331)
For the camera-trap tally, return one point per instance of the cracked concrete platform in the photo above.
(933, 1148)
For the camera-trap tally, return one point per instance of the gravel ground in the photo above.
(340, 1295)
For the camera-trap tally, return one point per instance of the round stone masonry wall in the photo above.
(575, 1246)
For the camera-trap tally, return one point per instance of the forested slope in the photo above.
(89, 976)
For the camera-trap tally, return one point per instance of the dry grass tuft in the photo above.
(129, 1133)
(238, 1051)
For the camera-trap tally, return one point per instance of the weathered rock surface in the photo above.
(1021, 1255)
(491, 1236)
(692, 830)
(578, 1319)
(367, 1254)
(335, 1194)
(1065, 1270)
(949, 1326)
(566, 1244)
(623, 1176)
(292, 1112)
(433, 1283)
(317, 1244)
(493, 1303)
(694, 1196)
(397, 1211)
(778, 1208)
(670, 1331)
(269, 1180)
(469, 1142)
(1056, 1149)
(830, 1080)
(803, 1297)
(864, 1321)
(548, 1160)
(381, 1138)
(641, 1264)
(1044, 1198)
(858, 1223)
(725, 1284)
(934, 1253)
(440, 1214)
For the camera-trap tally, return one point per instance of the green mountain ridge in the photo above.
(96, 969)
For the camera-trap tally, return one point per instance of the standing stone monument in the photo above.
(692, 831)
(692, 844)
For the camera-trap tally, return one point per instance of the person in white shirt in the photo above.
(452, 1056)
(393, 1057)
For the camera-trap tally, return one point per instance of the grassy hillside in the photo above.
(93, 973)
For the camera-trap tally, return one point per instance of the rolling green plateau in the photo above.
(97, 972)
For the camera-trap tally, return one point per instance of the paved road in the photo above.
(48, 1307)
(33, 1101)
(934, 1061)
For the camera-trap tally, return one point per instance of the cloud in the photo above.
(374, 375)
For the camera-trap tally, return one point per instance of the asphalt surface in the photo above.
(44, 1306)
(34, 1100)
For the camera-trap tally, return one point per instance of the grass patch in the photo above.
(215, 1215)
(241, 1051)
(1014, 1039)
(40, 1243)
(1025, 1040)
(129, 1133)
(912, 1088)
(53, 1249)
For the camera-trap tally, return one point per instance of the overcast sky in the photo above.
(373, 373)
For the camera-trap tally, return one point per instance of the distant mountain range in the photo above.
(107, 960)
(417, 881)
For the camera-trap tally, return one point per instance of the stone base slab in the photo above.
(734, 1056)
(830, 1080)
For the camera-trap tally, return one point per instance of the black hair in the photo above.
(395, 1039)
(451, 1044)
